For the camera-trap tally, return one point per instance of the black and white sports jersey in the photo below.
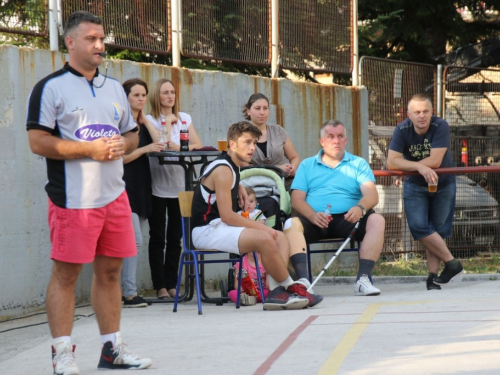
(68, 106)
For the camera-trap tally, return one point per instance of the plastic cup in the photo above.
(222, 145)
(432, 187)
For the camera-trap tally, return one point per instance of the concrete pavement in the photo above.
(406, 330)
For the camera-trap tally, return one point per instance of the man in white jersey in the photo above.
(80, 121)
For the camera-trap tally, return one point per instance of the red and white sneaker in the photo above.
(281, 299)
(300, 288)
(63, 359)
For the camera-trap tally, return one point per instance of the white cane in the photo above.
(335, 256)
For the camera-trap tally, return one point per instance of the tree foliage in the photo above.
(28, 18)
(407, 30)
(420, 31)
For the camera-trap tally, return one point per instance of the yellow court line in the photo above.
(345, 345)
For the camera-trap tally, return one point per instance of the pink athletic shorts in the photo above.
(79, 235)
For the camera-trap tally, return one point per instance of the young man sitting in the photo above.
(217, 226)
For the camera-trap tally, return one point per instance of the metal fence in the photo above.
(391, 84)
(311, 35)
(476, 221)
(316, 35)
(471, 96)
(24, 17)
(476, 226)
(227, 30)
(130, 24)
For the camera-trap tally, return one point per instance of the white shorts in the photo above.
(217, 236)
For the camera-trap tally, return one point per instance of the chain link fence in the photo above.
(476, 220)
(236, 31)
(313, 35)
(141, 25)
(391, 84)
(24, 17)
(316, 35)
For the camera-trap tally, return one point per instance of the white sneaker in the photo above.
(364, 287)
(63, 359)
(120, 357)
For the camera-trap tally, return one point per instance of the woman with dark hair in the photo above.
(167, 181)
(274, 147)
(137, 177)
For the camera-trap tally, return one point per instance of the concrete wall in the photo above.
(214, 100)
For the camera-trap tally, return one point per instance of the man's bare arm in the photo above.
(45, 144)
(221, 179)
(303, 208)
(396, 161)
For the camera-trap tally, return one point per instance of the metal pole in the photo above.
(179, 24)
(274, 39)
(355, 52)
(176, 52)
(439, 91)
(53, 34)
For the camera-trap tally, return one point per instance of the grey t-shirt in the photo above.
(68, 106)
(416, 147)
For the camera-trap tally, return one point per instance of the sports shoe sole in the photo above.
(454, 278)
(356, 293)
(145, 304)
(293, 303)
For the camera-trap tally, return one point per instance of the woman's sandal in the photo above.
(171, 292)
(163, 295)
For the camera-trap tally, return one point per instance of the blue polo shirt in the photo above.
(339, 186)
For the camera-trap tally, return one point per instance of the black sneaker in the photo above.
(300, 288)
(431, 285)
(137, 301)
(120, 357)
(449, 273)
(281, 299)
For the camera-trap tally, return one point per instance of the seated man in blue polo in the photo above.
(336, 178)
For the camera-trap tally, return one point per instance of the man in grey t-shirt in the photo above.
(421, 143)
(81, 123)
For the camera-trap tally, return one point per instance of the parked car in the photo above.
(476, 222)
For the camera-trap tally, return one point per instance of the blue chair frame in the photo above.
(353, 247)
(194, 257)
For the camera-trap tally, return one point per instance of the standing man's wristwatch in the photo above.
(362, 209)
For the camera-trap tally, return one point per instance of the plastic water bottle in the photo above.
(184, 137)
(328, 211)
(162, 133)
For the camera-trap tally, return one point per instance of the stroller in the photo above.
(274, 202)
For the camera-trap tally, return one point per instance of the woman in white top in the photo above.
(167, 181)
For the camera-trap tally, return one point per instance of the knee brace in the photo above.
(293, 225)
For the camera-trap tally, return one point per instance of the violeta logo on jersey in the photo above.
(95, 131)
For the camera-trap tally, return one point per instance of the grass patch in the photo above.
(483, 264)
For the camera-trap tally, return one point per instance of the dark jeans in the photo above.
(429, 212)
(164, 262)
